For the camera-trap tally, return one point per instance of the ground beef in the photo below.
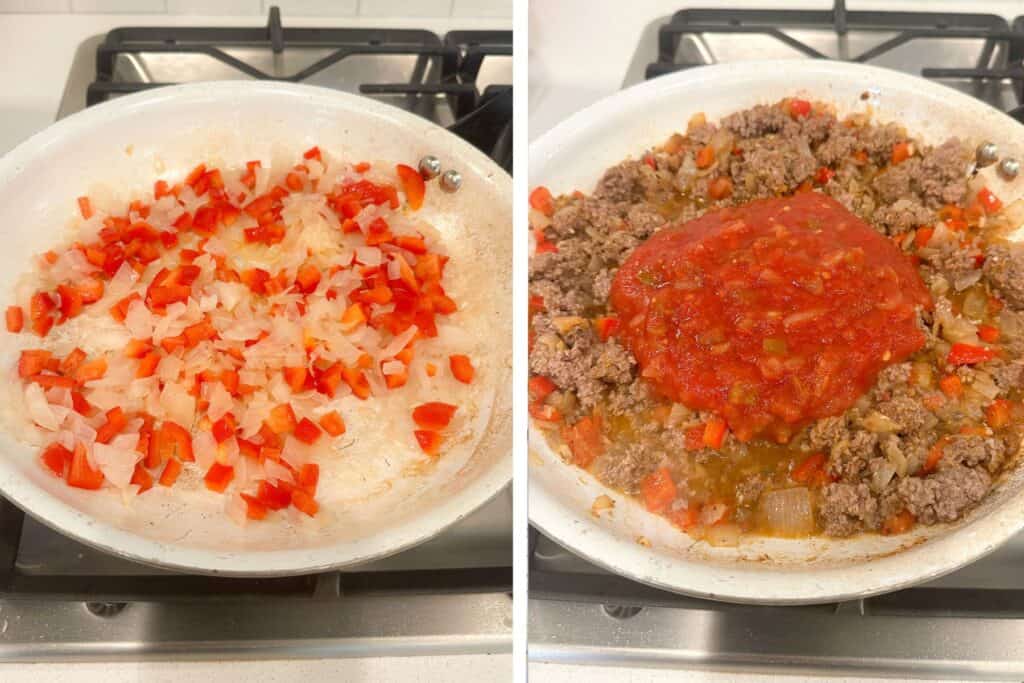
(943, 177)
(1007, 376)
(757, 121)
(944, 495)
(847, 508)
(579, 362)
(902, 215)
(587, 216)
(972, 451)
(897, 182)
(840, 145)
(1004, 269)
(849, 448)
(878, 141)
(770, 166)
(602, 285)
(959, 265)
(624, 183)
(892, 380)
(626, 467)
(909, 414)
(643, 220)
(625, 398)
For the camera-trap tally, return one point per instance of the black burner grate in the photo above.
(446, 69)
(999, 58)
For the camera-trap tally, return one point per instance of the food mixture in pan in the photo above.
(783, 323)
(215, 331)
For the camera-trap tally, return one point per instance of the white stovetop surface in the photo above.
(36, 52)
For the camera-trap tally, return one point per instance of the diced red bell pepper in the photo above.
(540, 388)
(545, 413)
(714, 432)
(85, 207)
(541, 200)
(969, 354)
(308, 477)
(412, 243)
(295, 377)
(989, 201)
(307, 278)
(70, 302)
(274, 497)
(434, 415)
(811, 469)
(900, 152)
(254, 509)
(94, 369)
(799, 108)
(80, 474)
(170, 473)
(988, 333)
(15, 318)
(824, 175)
(116, 421)
(224, 428)
(357, 382)
(412, 185)
(142, 478)
(332, 423)
(173, 441)
(218, 477)
(305, 502)
(658, 490)
(998, 413)
(307, 431)
(32, 362)
(462, 368)
(606, 326)
(429, 441)
(56, 458)
(282, 419)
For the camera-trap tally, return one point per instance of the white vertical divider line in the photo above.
(520, 165)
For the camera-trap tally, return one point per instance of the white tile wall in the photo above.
(405, 8)
(227, 8)
(323, 8)
(119, 6)
(313, 8)
(35, 6)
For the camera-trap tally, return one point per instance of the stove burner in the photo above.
(441, 78)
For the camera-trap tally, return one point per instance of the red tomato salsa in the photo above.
(772, 314)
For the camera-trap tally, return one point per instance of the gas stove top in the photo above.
(965, 625)
(452, 595)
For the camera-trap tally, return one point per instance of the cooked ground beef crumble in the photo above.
(924, 445)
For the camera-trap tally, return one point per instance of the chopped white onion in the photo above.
(39, 409)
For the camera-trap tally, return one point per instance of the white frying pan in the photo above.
(367, 511)
(761, 570)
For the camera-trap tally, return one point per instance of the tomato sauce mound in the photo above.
(773, 314)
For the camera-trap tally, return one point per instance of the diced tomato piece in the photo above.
(32, 362)
(541, 200)
(85, 207)
(969, 354)
(80, 474)
(282, 419)
(434, 415)
(412, 185)
(357, 382)
(584, 440)
(15, 319)
(254, 509)
(308, 477)
(429, 441)
(116, 421)
(989, 201)
(305, 502)
(658, 490)
(461, 368)
(274, 497)
(307, 431)
(56, 458)
(988, 333)
(218, 477)
(170, 474)
(714, 432)
(333, 423)
(799, 108)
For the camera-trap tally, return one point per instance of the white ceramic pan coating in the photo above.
(634, 543)
(123, 146)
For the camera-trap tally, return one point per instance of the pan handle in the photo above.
(478, 126)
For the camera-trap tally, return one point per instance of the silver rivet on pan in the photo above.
(105, 609)
(430, 167)
(1009, 168)
(987, 153)
(451, 181)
